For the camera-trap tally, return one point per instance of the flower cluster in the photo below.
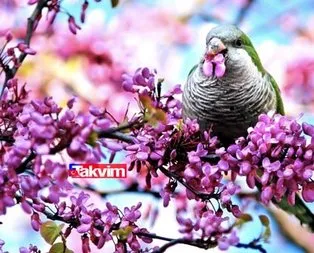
(170, 141)
(10, 55)
(153, 139)
(143, 81)
(54, 8)
(210, 225)
(177, 150)
(277, 155)
(33, 131)
(102, 225)
(30, 249)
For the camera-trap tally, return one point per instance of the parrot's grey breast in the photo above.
(229, 105)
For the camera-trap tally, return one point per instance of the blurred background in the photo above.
(170, 37)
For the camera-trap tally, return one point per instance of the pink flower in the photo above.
(308, 192)
(24, 48)
(267, 194)
(73, 27)
(214, 66)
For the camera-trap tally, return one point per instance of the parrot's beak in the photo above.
(215, 46)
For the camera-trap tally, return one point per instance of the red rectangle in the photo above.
(103, 170)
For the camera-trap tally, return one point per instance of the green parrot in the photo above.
(227, 91)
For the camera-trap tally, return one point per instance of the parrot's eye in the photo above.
(238, 43)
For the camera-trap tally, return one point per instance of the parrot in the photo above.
(228, 89)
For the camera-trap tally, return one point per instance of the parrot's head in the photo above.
(228, 50)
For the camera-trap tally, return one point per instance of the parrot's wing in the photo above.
(280, 108)
(192, 70)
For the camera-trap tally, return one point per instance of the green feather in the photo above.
(193, 69)
(249, 48)
(280, 108)
(256, 60)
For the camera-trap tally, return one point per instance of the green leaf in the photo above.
(123, 233)
(114, 3)
(179, 125)
(264, 220)
(92, 139)
(146, 102)
(266, 234)
(158, 115)
(50, 231)
(244, 218)
(59, 248)
(152, 115)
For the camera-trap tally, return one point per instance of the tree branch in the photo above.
(117, 136)
(251, 245)
(203, 196)
(49, 214)
(133, 188)
(199, 243)
(111, 133)
(23, 165)
(116, 132)
(8, 139)
(10, 73)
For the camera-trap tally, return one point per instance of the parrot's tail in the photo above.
(299, 210)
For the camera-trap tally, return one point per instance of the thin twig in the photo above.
(8, 139)
(49, 214)
(171, 242)
(111, 134)
(251, 245)
(201, 195)
(116, 132)
(199, 243)
(212, 158)
(23, 166)
(133, 188)
(117, 136)
(10, 73)
(203, 244)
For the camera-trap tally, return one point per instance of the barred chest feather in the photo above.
(228, 105)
